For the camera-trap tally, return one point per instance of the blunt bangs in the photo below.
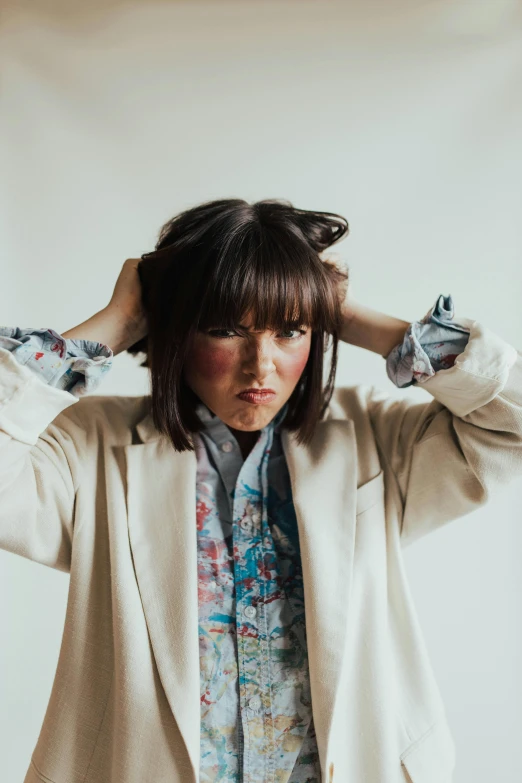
(281, 284)
(217, 262)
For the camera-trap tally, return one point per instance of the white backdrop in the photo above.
(403, 115)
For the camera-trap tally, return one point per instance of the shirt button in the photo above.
(227, 446)
(250, 611)
(254, 703)
(246, 523)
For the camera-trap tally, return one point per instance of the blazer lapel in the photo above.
(324, 483)
(161, 490)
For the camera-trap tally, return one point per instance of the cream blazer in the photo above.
(88, 486)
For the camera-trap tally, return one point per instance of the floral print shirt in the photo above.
(256, 710)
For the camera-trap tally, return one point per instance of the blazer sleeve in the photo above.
(39, 465)
(449, 456)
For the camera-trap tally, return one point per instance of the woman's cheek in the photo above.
(296, 362)
(212, 363)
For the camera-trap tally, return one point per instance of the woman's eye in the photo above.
(227, 333)
(299, 333)
(218, 333)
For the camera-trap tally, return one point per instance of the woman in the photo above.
(262, 630)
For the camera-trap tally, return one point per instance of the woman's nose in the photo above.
(259, 355)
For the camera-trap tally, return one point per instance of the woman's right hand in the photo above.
(122, 322)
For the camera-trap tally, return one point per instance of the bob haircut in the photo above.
(214, 263)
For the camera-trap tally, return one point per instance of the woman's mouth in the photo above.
(257, 398)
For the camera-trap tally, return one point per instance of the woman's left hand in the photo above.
(349, 304)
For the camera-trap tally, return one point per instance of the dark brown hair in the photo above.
(215, 262)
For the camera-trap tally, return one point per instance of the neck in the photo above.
(246, 440)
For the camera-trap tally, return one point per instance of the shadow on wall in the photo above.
(470, 18)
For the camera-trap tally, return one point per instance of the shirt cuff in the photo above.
(76, 366)
(429, 345)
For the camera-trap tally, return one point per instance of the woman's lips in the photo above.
(257, 398)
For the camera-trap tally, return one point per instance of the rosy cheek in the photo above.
(211, 363)
(296, 362)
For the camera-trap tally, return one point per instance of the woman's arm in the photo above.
(108, 326)
(42, 444)
(371, 329)
(450, 455)
(453, 454)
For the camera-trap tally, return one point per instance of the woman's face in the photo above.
(223, 363)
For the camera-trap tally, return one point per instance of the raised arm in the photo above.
(42, 375)
(449, 456)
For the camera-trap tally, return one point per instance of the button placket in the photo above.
(252, 647)
(262, 619)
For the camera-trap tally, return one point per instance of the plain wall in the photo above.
(406, 117)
